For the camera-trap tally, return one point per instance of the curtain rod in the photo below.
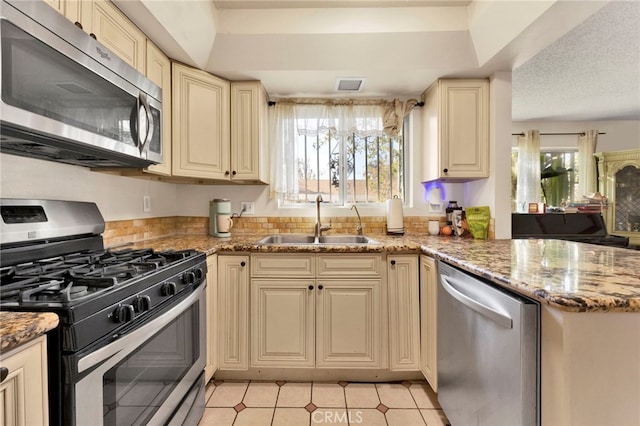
(569, 133)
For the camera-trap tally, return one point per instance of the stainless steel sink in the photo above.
(346, 239)
(325, 239)
(287, 239)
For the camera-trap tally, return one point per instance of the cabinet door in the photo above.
(404, 314)
(429, 320)
(464, 128)
(349, 323)
(233, 316)
(118, 33)
(158, 69)
(79, 12)
(248, 132)
(212, 317)
(282, 323)
(23, 393)
(200, 124)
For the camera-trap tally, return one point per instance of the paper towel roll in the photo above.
(395, 217)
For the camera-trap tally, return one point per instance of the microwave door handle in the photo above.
(142, 141)
(471, 303)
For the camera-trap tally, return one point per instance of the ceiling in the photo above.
(571, 60)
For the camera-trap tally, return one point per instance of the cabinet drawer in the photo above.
(282, 265)
(345, 265)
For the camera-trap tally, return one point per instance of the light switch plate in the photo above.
(248, 207)
(146, 203)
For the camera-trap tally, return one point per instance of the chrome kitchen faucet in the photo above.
(319, 227)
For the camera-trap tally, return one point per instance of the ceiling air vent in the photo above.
(349, 84)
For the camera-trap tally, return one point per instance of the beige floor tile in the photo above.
(395, 395)
(361, 395)
(254, 417)
(424, 396)
(294, 395)
(291, 417)
(330, 416)
(261, 394)
(327, 395)
(404, 417)
(366, 417)
(209, 390)
(218, 417)
(434, 417)
(228, 394)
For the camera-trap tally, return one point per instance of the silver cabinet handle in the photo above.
(483, 310)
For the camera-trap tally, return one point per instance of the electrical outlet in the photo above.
(146, 203)
(248, 207)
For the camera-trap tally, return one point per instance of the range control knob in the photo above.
(189, 277)
(123, 313)
(142, 303)
(168, 289)
(199, 273)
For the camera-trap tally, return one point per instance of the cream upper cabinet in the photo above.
(56, 4)
(103, 21)
(211, 317)
(24, 391)
(158, 70)
(455, 120)
(404, 312)
(249, 132)
(233, 312)
(429, 320)
(200, 124)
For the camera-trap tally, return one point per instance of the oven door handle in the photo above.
(133, 338)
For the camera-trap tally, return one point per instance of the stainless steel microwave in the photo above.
(67, 98)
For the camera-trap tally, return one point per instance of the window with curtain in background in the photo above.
(343, 152)
(559, 180)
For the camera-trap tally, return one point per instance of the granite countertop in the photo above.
(569, 276)
(17, 328)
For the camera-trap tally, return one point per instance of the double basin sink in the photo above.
(325, 239)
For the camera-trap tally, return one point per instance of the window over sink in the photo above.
(345, 152)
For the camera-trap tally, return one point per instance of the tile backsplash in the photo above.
(127, 231)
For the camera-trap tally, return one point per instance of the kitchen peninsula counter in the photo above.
(569, 276)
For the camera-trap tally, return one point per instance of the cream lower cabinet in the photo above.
(233, 312)
(211, 317)
(330, 316)
(282, 322)
(429, 320)
(23, 392)
(349, 323)
(404, 312)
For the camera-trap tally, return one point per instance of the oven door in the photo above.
(148, 375)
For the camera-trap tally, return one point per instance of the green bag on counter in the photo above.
(478, 221)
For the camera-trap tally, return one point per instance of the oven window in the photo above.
(135, 388)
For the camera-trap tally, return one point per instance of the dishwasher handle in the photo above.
(483, 310)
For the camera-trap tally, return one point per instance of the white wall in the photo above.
(117, 197)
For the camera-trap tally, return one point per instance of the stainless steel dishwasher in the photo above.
(488, 352)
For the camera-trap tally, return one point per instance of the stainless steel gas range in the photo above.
(130, 347)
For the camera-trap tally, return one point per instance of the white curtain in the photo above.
(528, 181)
(282, 137)
(586, 163)
(290, 118)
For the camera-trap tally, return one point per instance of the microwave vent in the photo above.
(74, 88)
